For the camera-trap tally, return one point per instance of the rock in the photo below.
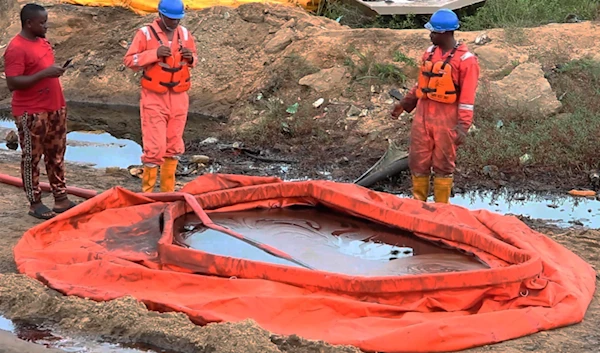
(482, 39)
(252, 13)
(275, 22)
(290, 24)
(209, 141)
(280, 41)
(12, 137)
(318, 102)
(525, 90)
(303, 23)
(492, 58)
(199, 159)
(324, 80)
(353, 112)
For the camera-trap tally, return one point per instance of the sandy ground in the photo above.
(127, 321)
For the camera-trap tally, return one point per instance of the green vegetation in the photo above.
(527, 13)
(402, 58)
(366, 67)
(490, 14)
(568, 140)
(506, 71)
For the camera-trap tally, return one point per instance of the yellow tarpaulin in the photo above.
(143, 7)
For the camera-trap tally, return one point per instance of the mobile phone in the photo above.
(67, 63)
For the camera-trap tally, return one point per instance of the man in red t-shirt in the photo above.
(39, 108)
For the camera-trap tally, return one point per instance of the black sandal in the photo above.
(42, 211)
(63, 210)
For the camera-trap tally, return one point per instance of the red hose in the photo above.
(72, 190)
(168, 197)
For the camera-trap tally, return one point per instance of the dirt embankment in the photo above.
(262, 67)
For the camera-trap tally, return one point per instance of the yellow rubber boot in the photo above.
(420, 186)
(167, 175)
(149, 178)
(442, 188)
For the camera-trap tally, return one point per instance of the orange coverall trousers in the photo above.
(163, 119)
(433, 139)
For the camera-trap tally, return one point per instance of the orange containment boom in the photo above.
(121, 243)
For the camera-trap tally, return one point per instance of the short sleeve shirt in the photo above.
(24, 57)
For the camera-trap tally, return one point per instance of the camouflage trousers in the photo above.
(43, 134)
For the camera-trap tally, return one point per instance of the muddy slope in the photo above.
(241, 48)
(244, 50)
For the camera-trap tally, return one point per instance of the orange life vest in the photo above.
(435, 79)
(170, 73)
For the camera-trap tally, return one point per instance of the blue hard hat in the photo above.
(173, 9)
(443, 20)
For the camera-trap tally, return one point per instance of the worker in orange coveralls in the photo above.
(444, 98)
(165, 51)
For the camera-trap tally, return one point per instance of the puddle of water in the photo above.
(560, 211)
(325, 241)
(6, 325)
(46, 337)
(100, 150)
(76, 346)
